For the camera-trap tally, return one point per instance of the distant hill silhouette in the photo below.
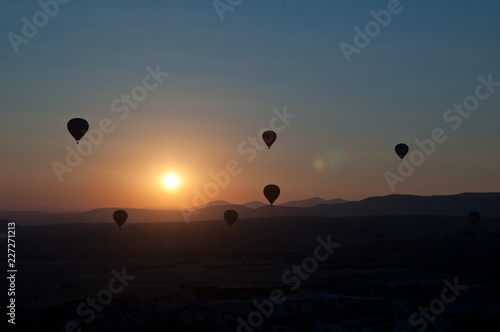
(255, 204)
(313, 202)
(310, 202)
(488, 204)
(214, 203)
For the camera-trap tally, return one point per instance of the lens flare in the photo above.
(329, 160)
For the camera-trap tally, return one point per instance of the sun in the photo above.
(171, 181)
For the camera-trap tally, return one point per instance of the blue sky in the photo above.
(226, 77)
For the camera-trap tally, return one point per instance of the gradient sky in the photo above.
(225, 79)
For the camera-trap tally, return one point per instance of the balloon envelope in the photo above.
(269, 137)
(230, 216)
(120, 216)
(401, 150)
(271, 192)
(78, 128)
(474, 218)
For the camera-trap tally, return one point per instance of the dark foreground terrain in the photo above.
(205, 276)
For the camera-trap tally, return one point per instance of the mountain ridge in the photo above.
(488, 204)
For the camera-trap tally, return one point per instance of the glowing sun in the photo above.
(170, 181)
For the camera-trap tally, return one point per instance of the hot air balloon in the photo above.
(474, 218)
(401, 150)
(271, 192)
(120, 216)
(230, 216)
(78, 128)
(269, 137)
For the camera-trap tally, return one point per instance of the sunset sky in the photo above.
(227, 81)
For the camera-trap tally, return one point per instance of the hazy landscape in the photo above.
(203, 275)
(447, 205)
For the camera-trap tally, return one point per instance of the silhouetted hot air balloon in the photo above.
(474, 218)
(120, 216)
(78, 128)
(401, 150)
(230, 216)
(271, 192)
(269, 137)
